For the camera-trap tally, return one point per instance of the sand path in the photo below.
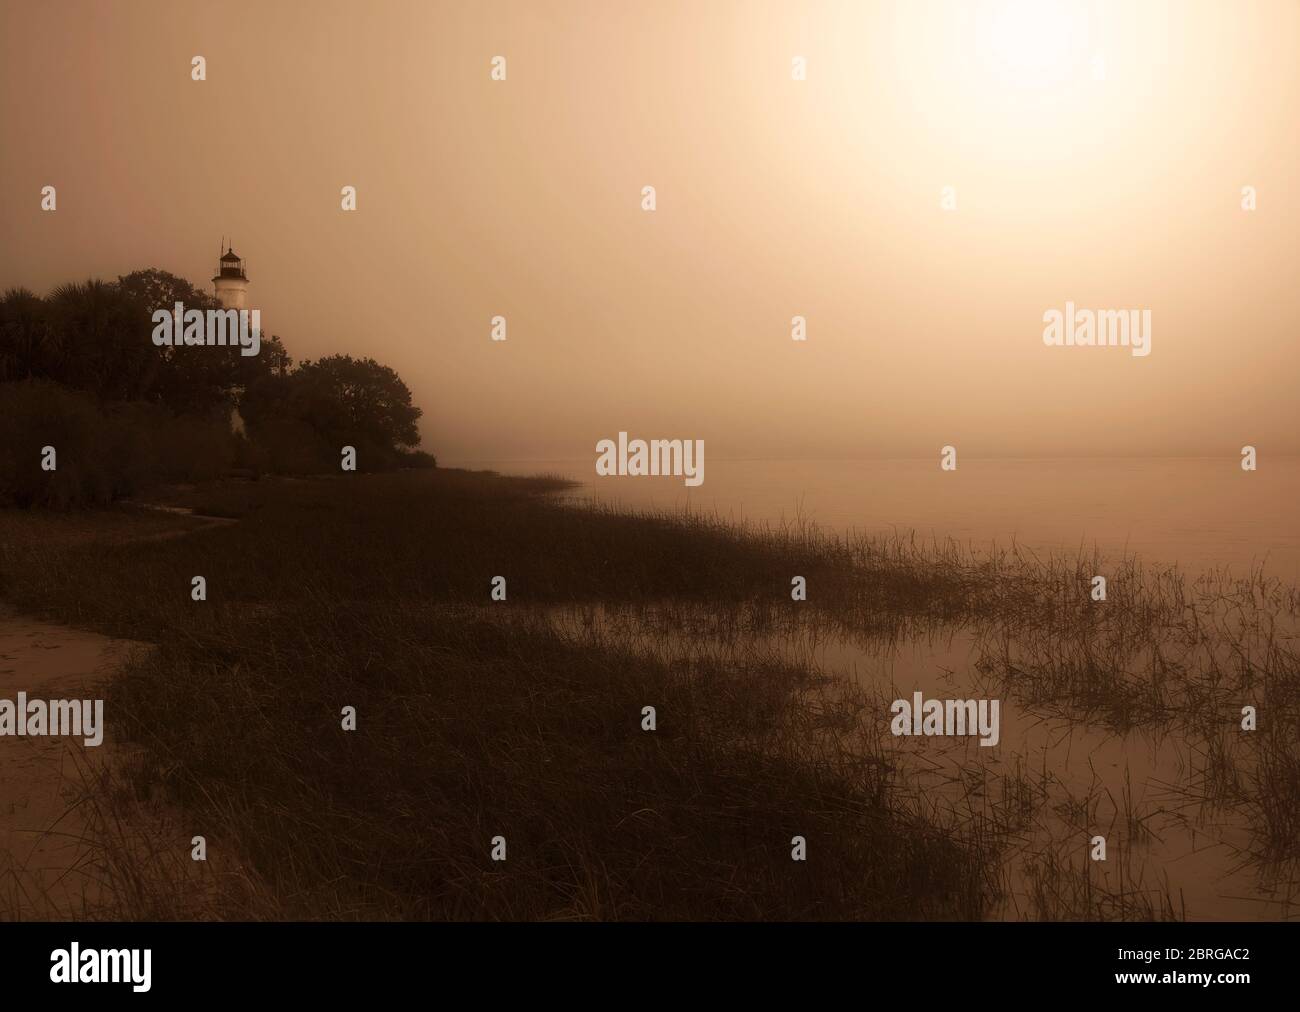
(45, 867)
(48, 867)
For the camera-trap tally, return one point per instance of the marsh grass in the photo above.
(474, 720)
(522, 718)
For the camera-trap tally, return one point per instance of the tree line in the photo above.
(79, 367)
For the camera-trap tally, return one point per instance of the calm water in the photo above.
(1197, 512)
(1083, 779)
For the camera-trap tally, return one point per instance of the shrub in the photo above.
(38, 413)
(103, 452)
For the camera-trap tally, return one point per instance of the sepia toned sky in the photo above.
(1097, 152)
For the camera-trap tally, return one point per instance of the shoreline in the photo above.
(861, 591)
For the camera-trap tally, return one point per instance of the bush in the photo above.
(106, 451)
(416, 458)
(291, 446)
(37, 414)
(103, 452)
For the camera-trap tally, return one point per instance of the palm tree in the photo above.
(25, 338)
(102, 340)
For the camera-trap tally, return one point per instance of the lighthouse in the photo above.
(231, 283)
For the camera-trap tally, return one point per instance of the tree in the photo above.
(159, 289)
(369, 399)
(97, 337)
(26, 349)
(100, 339)
(206, 380)
(344, 401)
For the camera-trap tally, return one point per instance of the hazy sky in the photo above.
(1097, 153)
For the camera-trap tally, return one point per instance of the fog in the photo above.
(1096, 155)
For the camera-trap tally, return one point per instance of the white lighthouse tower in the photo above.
(231, 283)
